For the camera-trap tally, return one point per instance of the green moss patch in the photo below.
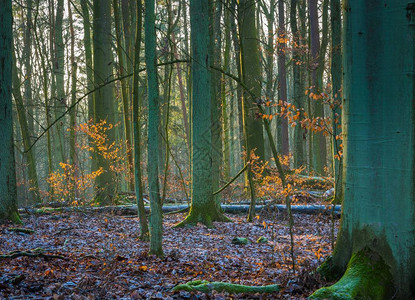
(367, 277)
(207, 287)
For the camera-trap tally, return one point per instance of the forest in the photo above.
(207, 149)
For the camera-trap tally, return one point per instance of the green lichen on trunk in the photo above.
(367, 277)
(208, 287)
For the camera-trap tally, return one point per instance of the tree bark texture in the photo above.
(378, 132)
(8, 191)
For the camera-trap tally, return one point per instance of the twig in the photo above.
(64, 229)
(232, 180)
(23, 230)
(177, 211)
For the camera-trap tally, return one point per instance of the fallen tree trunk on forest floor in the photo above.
(315, 180)
(38, 252)
(132, 209)
(207, 287)
(21, 230)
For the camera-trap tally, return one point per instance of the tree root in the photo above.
(193, 218)
(38, 252)
(367, 277)
(207, 287)
(329, 270)
(15, 218)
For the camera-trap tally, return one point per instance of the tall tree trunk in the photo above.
(336, 77)
(137, 133)
(156, 216)
(29, 155)
(298, 86)
(8, 190)
(282, 75)
(377, 239)
(317, 109)
(72, 114)
(182, 94)
(203, 208)
(129, 20)
(239, 92)
(251, 76)
(226, 137)
(104, 96)
(59, 75)
(124, 93)
(215, 8)
(41, 53)
(88, 57)
(269, 68)
(27, 55)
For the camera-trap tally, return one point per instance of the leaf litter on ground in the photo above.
(104, 258)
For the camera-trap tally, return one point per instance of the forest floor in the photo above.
(102, 257)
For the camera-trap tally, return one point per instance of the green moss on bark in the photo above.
(206, 217)
(207, 287)
(329, 270)
(367, 277)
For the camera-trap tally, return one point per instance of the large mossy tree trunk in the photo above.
(378, 224)
(104, 96)
(8, 191)
(156, 216)
(203, 208)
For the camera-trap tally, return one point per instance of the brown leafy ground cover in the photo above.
(104, 259)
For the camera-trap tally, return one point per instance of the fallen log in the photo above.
(38, 252)
(127, 210)
(207, 287)
(315, 181)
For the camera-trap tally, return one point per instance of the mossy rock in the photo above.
(240, 241)
(262, 240)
